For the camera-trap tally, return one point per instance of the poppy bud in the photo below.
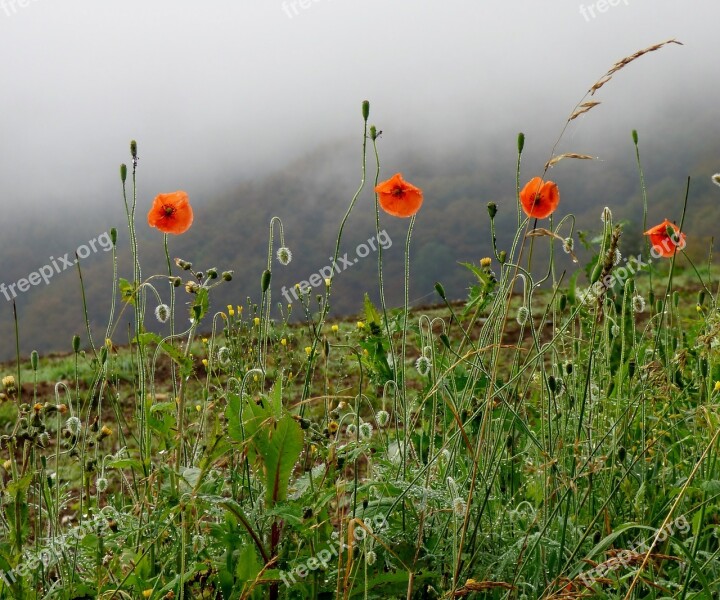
(123, 172)
(631, 368)
(676, 299)
(113, 235)
(521, 142)
(373, 132)
(440, 289)
(635, 136)
(265, 280)
(34, 360)
(651, 297)
(76, 343)
(492, 209)
(227, 275)
(569, 368)
(445, 340)
(552, 384)
(212, 273)
(365, 109)
(562, 303)
(133, 149)
(176, 281)
(701, 297)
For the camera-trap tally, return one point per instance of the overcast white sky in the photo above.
(220, 90)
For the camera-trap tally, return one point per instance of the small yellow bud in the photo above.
(229, 307)
(198, 407)
(204, 340)
(231, 312)
(327, 282)
(239, 309)
(308, 350)
(335, 328)
(147, 593)
(256, 320)
(698, 308)
(105, 432)
(360, 325)
(717, 386)
(108, 343)
(7, 464)
(255, 377)
(205, 362)
(283, 342)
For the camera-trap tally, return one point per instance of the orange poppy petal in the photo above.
(399, 198)
(662, 244)
(539, 199)
(171, 213)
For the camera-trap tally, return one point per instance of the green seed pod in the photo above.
(265, 281)
(701, 297)
(658, 306)
(635, 136)
(212, 273)
(622, 453)
(227, 275)
(492, 209)
(326, 347)
(596, 272)
(676, 299)
(651, 298)
(562, 302)
(34, 360)
(133, 149)
(113, 235)
(440, 289)
(123, 172)
(365, 110)
(569, 368)
(445, 340)
(521, 142)
(76, 343)
(631, 368)
(373, 132)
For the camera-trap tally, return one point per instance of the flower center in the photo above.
(398, 192)
(169, 210)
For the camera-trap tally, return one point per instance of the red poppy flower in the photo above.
(662, 242)
(171, 213)
(539, 199)
(399, 198)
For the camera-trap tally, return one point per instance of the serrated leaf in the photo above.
(371, 313)
(127, 291)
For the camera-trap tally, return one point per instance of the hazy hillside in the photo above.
(311, 196)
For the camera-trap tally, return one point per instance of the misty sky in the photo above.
(219, 91)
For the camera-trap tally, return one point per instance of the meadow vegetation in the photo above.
(554, 435)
